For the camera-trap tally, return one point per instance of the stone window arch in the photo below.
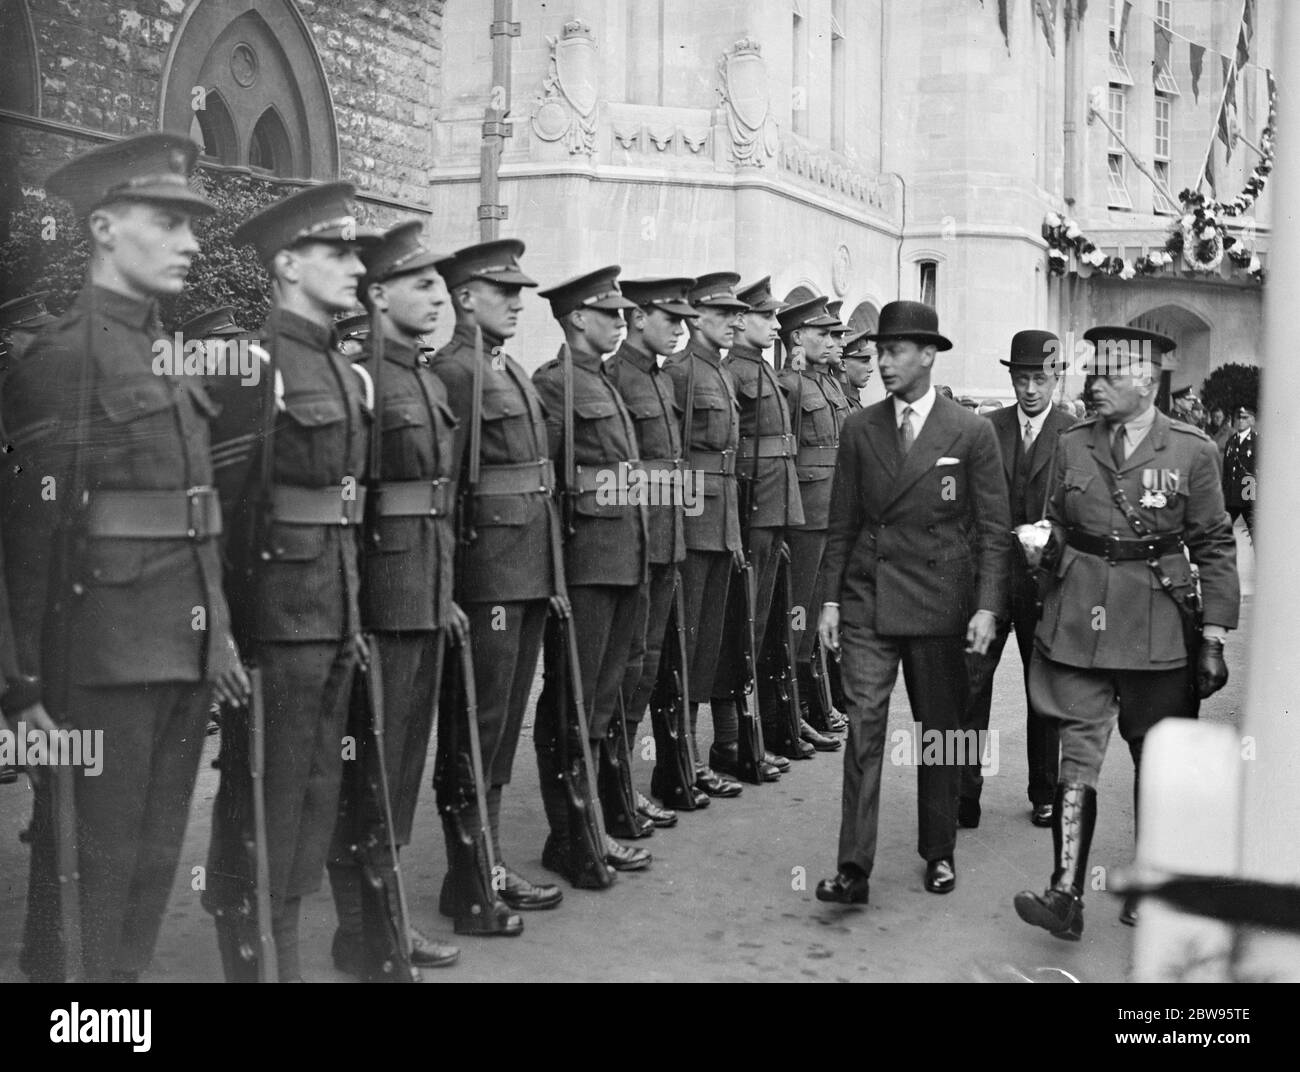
(20, 84)
(866, 317)
(245, 77)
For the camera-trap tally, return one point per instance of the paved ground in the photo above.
(730, 894)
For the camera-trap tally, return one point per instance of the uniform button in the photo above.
(266, 556)
(78, 589)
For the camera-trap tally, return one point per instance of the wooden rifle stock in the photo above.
(267, 966)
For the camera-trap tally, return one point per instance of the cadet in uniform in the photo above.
(406, 604)
(1111, 631)
(605, 560)
(654, 329)
(510, 566)
(305, 620)
(128, 635)
(818, 410)
(711, 433)
(20, 320)
(765, 468)
(859, 353)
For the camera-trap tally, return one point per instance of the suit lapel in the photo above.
(883, 436)
(1008, 440)
(936, 435)
(1055, 424)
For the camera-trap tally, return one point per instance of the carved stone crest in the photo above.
(742, 72)
(570, 92)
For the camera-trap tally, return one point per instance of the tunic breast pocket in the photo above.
(713, 421)
(143, 441)
(818, 423)
(407, 439)
(313, 446)
(601, 431)
(507, 424)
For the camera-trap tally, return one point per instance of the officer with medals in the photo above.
(1135, 503)
(295, 585)
(406, 598)
(770, 501)
(510, 572)
(711, 433)
(818, 409)
(655, 328)
(113, 565)
(605, 559)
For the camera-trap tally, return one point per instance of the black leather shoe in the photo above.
(348, 951)
(1041, 815)
(779, 762)
(968, 813)
(715, 785)
(631, 826)
(837, 722)
(557, 857)
(725, 759)
(844, 889)
(1056, 911)
(940, 876)
(661, 817)
(525, 896)
(700, 797)
(1128, 915)
(426, 953)
(819, 740)
(625, 857)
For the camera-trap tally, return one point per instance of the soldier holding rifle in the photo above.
(113, 567)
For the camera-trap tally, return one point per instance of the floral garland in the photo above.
(1198, 236)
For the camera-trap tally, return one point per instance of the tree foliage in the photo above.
(1230, 386)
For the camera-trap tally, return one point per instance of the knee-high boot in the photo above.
(1059, 909)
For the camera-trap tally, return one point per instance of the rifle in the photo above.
(673, 780)
(570, 500)
(778, 664)
(238, 894)
(614, 780)
(469, 487)
(820, 703)
(751, 746)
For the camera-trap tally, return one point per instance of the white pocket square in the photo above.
(947, 461)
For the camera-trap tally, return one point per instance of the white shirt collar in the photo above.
(1035, 422)
(920, 408)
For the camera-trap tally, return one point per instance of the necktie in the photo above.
(906, 435)
(1029, 438)
(1117, 447)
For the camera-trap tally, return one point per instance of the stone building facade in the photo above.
(865, 149)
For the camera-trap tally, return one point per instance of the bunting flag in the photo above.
(1228, 111)
(1004, 23)
(1209, 173)
(1197, 61)
(1163, 43)
(1248, 19)
(1243, 45)
(1046, 10)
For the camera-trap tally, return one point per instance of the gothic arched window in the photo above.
(244, 76)
(19, 84)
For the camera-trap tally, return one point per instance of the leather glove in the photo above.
(1211, 670)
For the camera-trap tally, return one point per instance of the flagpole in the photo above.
(1142, 167)
(1223, 99)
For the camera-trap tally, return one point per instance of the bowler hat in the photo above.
(910, 320)
(1035, 351)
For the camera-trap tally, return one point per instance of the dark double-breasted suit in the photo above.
(916, 544)
(1027, 474)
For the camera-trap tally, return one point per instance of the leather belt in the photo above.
(769, 446)
(593, 477)
(660, 465)
(193, 514)
(818, 456)
(414, 498)
(1114, 549)
(520, 478)
(317, 506)
(715, 462)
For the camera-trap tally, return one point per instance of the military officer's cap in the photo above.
(1184, 393)
(151, 167)
(594, 290)
(758, 296)
(398, 252)
(717, 289)
(353, 328)
(911, 320)
(855, 347)
(320, 213)
(670, 295)
(211, 324)
(493, 262)
(806, 314)
(1247, 409)
(833, 310)
(1033, 350)
(1120, 349)
(27, 313)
